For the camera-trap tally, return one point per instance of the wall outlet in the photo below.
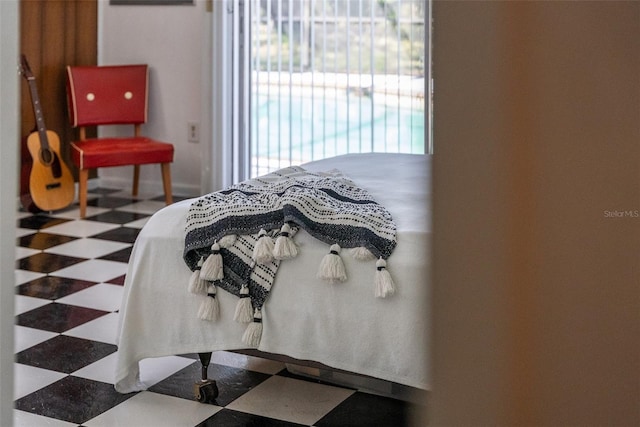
(193, 131)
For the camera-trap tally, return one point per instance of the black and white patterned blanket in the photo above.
(329, 206)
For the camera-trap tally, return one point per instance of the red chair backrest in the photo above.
(103, 95)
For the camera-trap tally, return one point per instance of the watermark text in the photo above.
(632, 213)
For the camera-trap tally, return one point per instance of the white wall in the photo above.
(174, 41)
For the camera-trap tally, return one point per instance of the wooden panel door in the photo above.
(54, 34)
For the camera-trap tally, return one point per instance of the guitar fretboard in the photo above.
(37, 111)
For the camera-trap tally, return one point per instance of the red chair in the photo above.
(113, 95)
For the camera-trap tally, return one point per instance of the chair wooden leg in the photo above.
(83, 179)
(166, 182)
(136, 179)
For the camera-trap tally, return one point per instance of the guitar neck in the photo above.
(37, 111)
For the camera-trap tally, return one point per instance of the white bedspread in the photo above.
(341, 325)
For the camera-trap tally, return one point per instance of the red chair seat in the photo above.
(106, 152)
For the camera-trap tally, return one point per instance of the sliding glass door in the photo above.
(329, 77)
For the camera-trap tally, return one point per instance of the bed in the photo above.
(340, 325)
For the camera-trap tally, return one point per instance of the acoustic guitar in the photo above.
(51, 184)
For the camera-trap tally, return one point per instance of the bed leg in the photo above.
(205, 390)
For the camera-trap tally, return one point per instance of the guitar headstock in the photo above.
(25, 70)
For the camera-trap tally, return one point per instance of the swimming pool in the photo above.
(298, 129)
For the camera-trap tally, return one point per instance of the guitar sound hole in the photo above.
(46, 156)
(50, 159)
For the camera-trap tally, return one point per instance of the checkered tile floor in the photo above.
(69, 277)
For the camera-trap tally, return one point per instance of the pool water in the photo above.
(295, 130)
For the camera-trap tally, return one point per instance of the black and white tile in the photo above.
(69, 282)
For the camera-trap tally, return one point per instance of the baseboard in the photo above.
(145, 187)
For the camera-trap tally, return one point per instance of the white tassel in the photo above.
(228, 241)
(263, 249)
(285, 247)
(332, 267)
(383, 281)
(253, 333)
(212, 266)
(244, 309)
(196, 284)
(362, 254)
(209, 308)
